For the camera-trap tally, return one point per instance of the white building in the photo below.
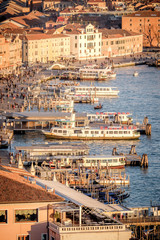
(85, 41)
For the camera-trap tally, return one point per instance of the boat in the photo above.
(89, 72)
(67, 130)
(94, 72)
(95, 91)
(103, 161)
(99, 106)
(135, 74)
(3, 144)
(122, 117)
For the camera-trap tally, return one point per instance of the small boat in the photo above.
(3, 144)
(135, 74)
(99, 106)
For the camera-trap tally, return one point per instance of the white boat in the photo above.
(123, 117)
(103, 161)
(135, 74)
(94, 72)
(69, 131)
(94, 91)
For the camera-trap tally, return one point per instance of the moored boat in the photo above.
(69, 131)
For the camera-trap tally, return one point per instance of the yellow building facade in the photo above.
(45, 47)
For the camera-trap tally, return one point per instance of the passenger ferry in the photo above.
(104, 161)
(88, 161)
(89, 72)
(94, 91)
(123, 118)
(94, 72)
(67, 130)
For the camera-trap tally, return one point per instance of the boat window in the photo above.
(92, 132)
(60, 131)
(115, 132)
(120, 132)
(86, 132)
(110, 132)
(64, 131)
(114, 160)
(100, 89)
(55, 131)
(129, 132)
(102, 132)
(125, 132)
(96, 132)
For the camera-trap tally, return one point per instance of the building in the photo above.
(44, 47)
(23, 207)
(85, 41)
(10, 52)
(146, 23)
(101, 4)
(120, 42)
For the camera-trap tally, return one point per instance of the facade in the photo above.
(97, 3)
(120, 42)
(45, 47)
(85, 41)
(10, 52)
(146, 23)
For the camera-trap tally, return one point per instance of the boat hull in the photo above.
(51, 135)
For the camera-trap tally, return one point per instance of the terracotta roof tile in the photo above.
(15, 188)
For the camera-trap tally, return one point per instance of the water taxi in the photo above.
(67, 130)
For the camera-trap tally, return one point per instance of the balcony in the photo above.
(55, 227)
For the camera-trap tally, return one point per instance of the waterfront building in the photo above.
(85, 41)
(45, 47)
(120, 42)
(23, 207)
(10, 52)
(146, 23)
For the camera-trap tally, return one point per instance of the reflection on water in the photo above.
(140, 96)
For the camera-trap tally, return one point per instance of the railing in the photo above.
(141, 220)
(78, 228)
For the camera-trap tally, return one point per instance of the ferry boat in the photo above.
(104, 161)
(88, 161)
(94, 72)
(69, 131)
(123, 118)
(94, 91)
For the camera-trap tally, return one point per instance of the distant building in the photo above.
(85, 41)
(10, 52)
(44, 47)
(120, 42)
(97, 3)
(146, 23)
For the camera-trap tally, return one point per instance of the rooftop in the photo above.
(16, 189)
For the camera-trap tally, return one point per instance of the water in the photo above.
(140, 96)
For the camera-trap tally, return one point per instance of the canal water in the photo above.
(140, 96)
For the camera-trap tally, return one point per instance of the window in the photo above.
(44, 236)
(75, 45)
(26, 215)
(75, 37)
(23, 237)
(3, 216)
